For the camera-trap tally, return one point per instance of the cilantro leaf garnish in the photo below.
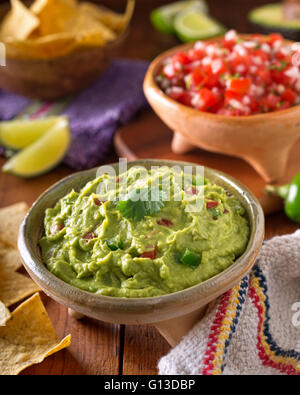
(141, 202)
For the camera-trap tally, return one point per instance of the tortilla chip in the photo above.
(39, 5)
(15, 287)
(11, 218)
(116, 22)
(28, 337)
(46, 47)
(4, 314)
(89, 31)
(10, 259)
(54, 15)
(65, 17)
(19, 22)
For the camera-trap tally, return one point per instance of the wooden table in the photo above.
(100, 348)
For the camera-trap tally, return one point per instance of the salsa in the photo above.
(125, 247)
(234, 75)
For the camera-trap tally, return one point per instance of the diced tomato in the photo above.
(186, 98)
(98, 202)
(212, 80)
(237, 60)
(273, 37)
(229, 44)
(196, 54)
(215, 109)
(239, 85)
(165, 222)
(181, 58)
(198, 77)
(229, 95)
(89, 236)
(206, 99)
(191, 191)
(56, 228)
(280, 77)
(254, 105)
(149, 254)
(263, 76)
(211, 204)
(289, 96)
(260, 54)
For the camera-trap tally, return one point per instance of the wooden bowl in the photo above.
(55, 78)
(173, 314)
(263, 140)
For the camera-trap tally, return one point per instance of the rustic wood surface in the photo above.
(99, 348)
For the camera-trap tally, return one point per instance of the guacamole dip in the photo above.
(130, 242)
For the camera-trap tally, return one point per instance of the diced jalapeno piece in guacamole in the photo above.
(189, 258)
(114, 245)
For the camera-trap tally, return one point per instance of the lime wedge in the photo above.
(193, 25)
(18, 134)
(163, 17)
(42, 155)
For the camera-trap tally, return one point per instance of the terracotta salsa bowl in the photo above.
(172, 314)
(263, 140)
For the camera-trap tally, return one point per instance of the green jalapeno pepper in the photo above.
(291, 195)
(189, 258)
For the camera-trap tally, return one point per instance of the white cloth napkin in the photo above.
(255, 327)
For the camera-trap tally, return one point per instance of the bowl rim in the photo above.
(63, 289)
(150, 83)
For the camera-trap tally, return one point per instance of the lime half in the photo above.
(193, 25)
(20, 133)
(44, 154)
(163, 17)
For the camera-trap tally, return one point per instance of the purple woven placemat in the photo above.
(95, 113)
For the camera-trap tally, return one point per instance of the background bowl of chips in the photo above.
(55, 48)
(172, 314)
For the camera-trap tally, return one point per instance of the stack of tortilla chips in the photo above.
(27, 336)
(51, 28)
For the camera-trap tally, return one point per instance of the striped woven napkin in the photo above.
(95, 113)
(255, 327)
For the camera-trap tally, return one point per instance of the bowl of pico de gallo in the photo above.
(237, 95)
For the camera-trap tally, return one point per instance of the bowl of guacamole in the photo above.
(141, 245)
